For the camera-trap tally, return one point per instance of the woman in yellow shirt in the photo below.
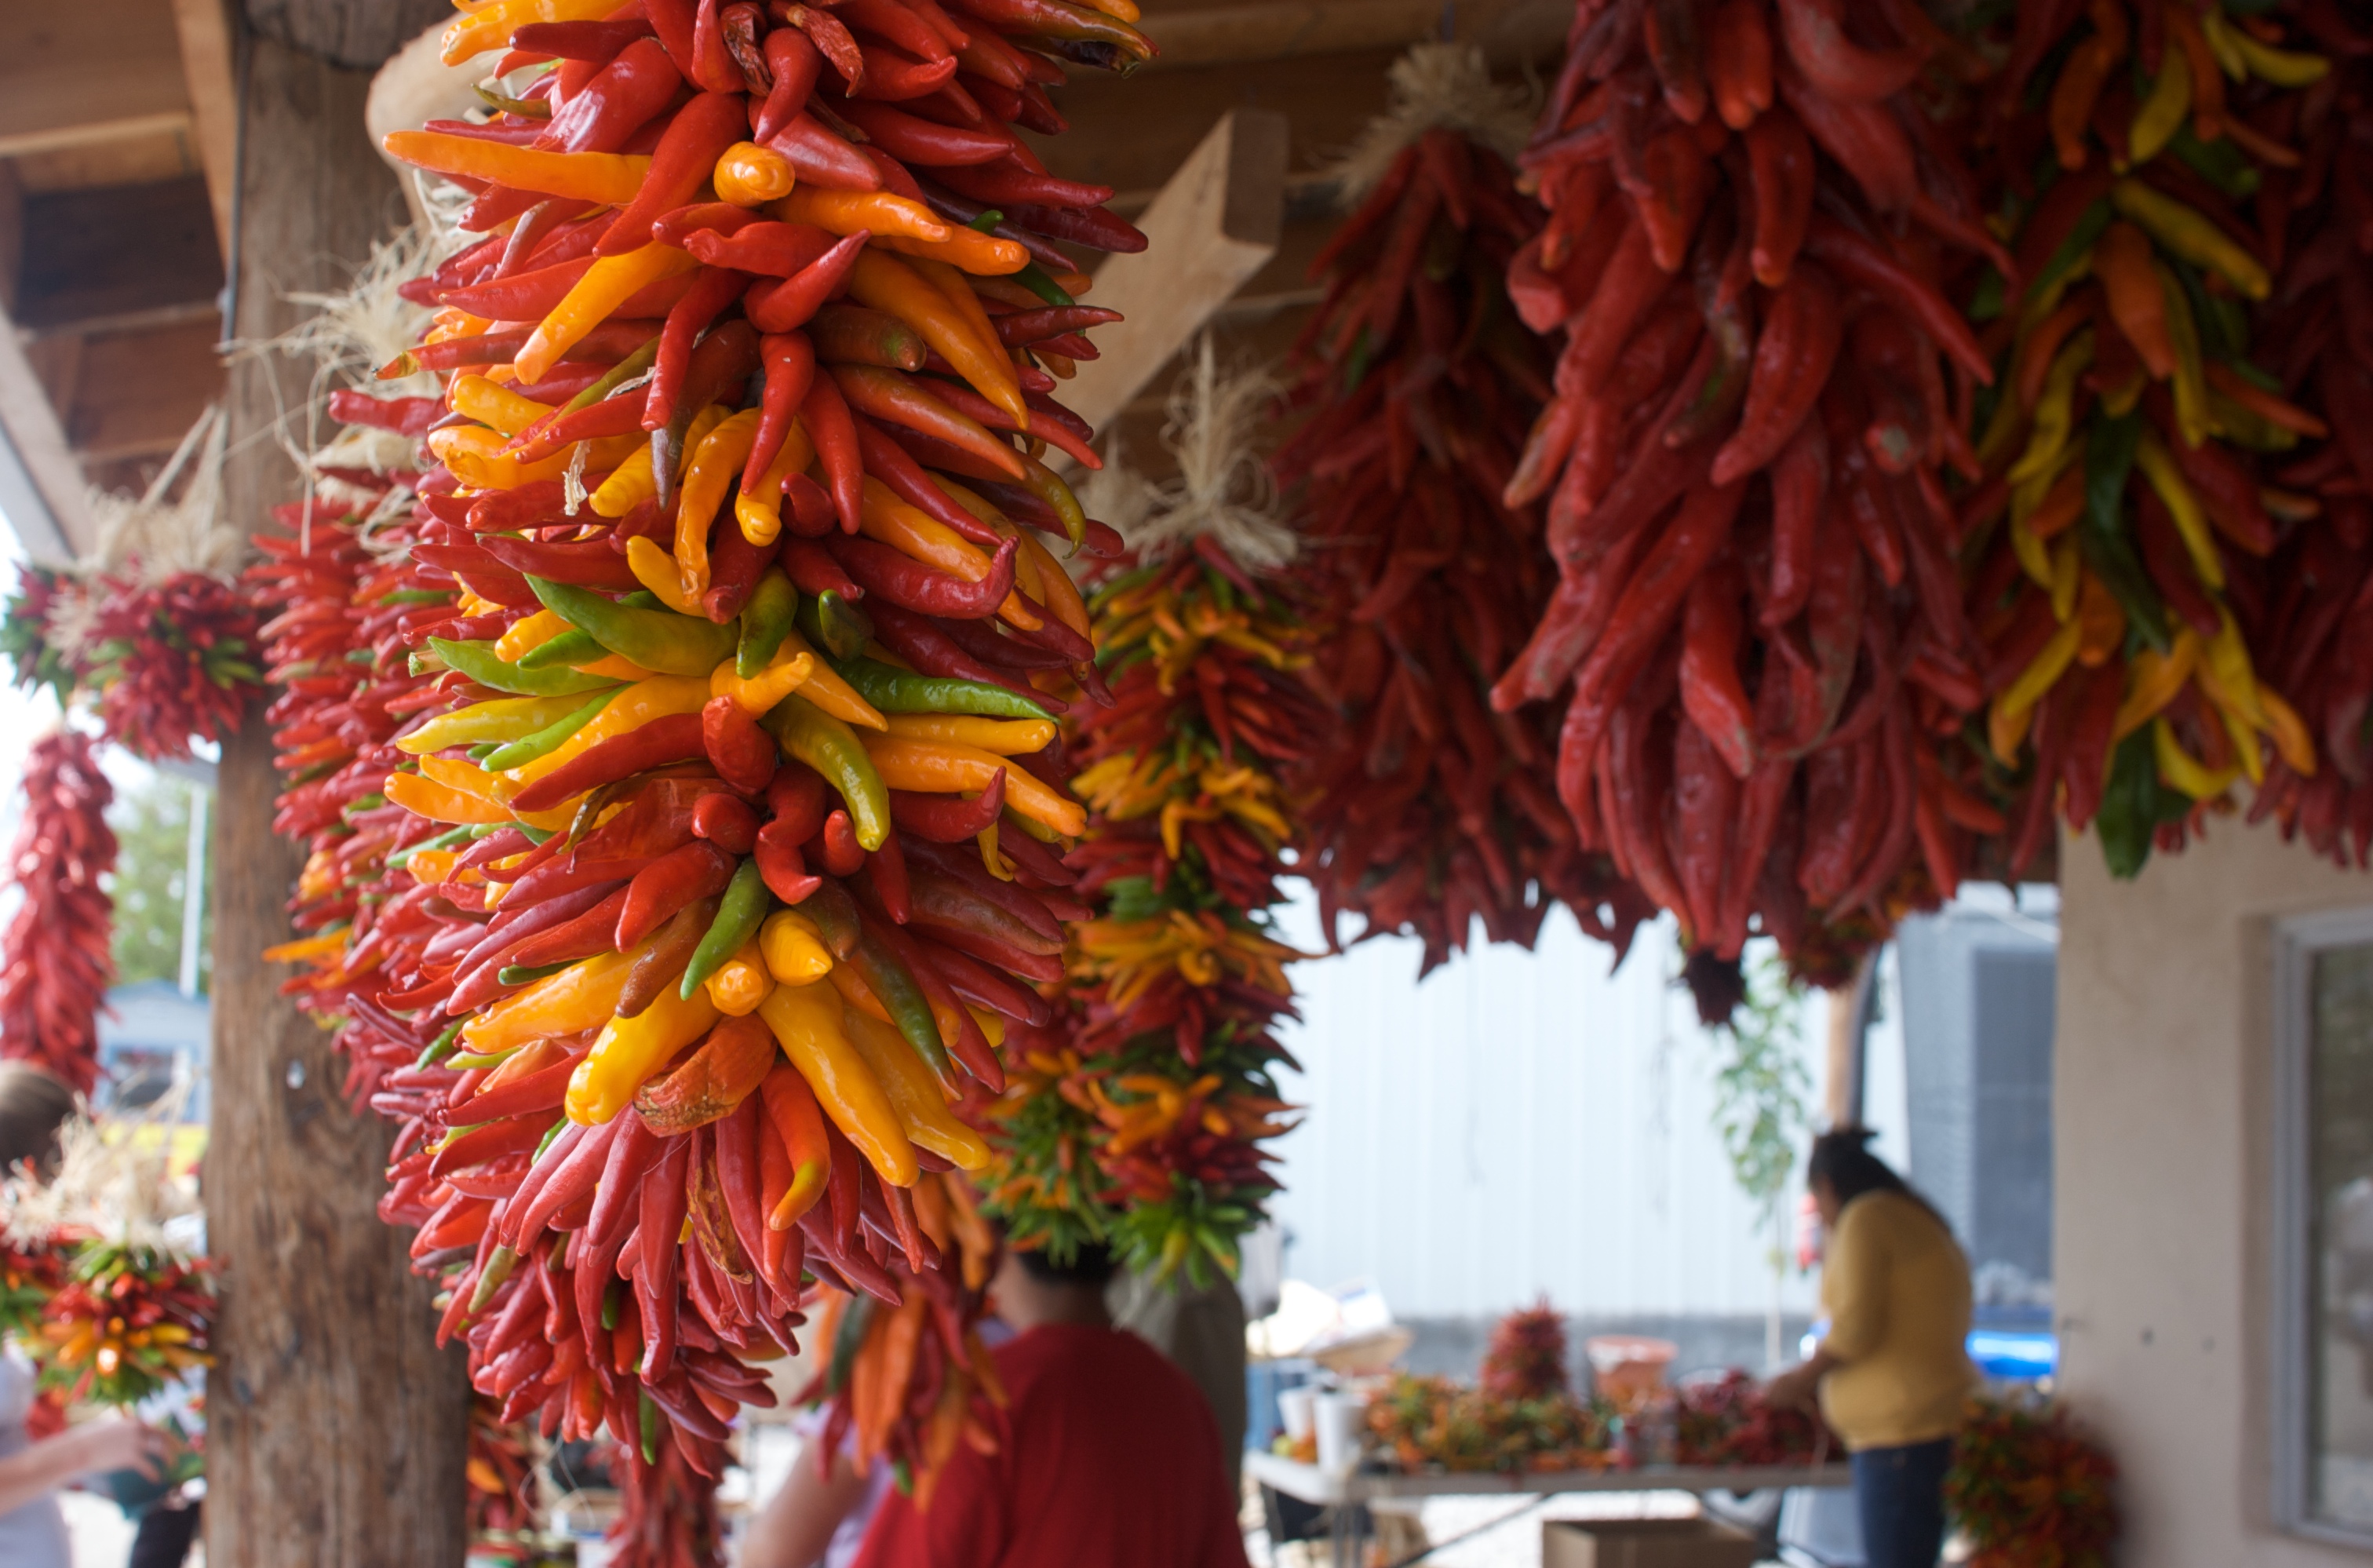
(1893, 1372)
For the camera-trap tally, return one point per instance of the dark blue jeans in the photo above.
(1900, 1495)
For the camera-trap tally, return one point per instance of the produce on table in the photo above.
(1725, 1419)
(55, 958)
(1526, 1359)
(2117, 537)
(1135, 1110)
(1427, 808)
(2027, 1485)
(908, 1383)
(1431, 1422)
(704, 764)
(2313, 630)
(1755, 233)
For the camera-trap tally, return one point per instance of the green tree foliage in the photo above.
(152, 824)
(1760, 1087)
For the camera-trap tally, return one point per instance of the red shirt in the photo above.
(1107, 1457)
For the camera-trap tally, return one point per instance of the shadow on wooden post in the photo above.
(336, 1430)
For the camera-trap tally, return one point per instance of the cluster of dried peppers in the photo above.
(1427, 808)
(56, 956)
(687, 802)
(2314, 637)
(127, 1321)
(1754, 235)
(163, 664)
(1135, 1114)
(2122, 447)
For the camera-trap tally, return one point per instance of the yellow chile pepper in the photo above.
(657, 570)
(617, 668)
(941, 768)
(717, 462)
(583, 996)
(742, 982)
(2193, 420)
(794, 950)
(807, 1023)
(629, 1052)
(2191, 236)
(502, 718)
(922, 1110)
(2027, 498)
(2284, 68)
(490, 27)
(828, 691)
(785, 674)
(917, 535)
(957, 288)
(605, 179)
(2180, 770)
(631, 483)
(475, 454)
(2065, 570)
(885, 283)
(2007, 721)
(2290, 733)
(760, 512)
(2152, 679)
(305, 949)
(483, 401)
(440, 803)
(527, 633)
(2159, 468)
(878, 211)
(2162, 113)
(992, 1028)
(661, 696)
(2053, 410)
(749, 175)
(496, 789)
(607, 284)
(2225, 666)
(1006, 737)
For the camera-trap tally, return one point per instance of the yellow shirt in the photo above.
(1897, 1291)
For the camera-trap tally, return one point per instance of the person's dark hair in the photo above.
(1842, 1157)
(1092, 1264)
(33, 1105)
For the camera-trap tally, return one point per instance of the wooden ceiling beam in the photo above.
(206, 33)
(40, 483)
(88, 71)
(1286, 30)
(1216, 224)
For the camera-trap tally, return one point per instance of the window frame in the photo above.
(2298, 942)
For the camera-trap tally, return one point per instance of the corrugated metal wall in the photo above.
(1520, 1123)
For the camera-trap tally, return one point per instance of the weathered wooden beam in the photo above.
(359, 34)
(116, 251)
(137, 393)
(1214, 225)
(88, 70)
(40, 483)
(335, 1430)
(1225, 34)
(207, 76)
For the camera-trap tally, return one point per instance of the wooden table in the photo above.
(1346, 1493)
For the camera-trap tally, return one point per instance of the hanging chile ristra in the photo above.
(1136, 1112)
(1427, 808)
(56, 958)
(1755, 233)
(721, 810)
(2314, 637)
(2119, 532)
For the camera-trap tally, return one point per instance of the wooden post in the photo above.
(1849, 1023)
(336, 1430)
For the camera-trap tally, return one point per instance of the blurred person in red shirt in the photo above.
(1106, 1455)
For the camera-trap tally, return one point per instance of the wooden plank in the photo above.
(120, 160)
(137, 393)
(359, 34)
(1215, 224)
(206, 76)
(116, 251)
(87, 71)
(41, 484)
(336, 1432)
(1282, 30)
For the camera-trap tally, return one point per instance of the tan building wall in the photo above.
(2163, 1112)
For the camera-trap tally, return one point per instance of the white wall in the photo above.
(1520, 1123)
(2161, 1147)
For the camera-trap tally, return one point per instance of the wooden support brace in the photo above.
(1214, 225)
(42, 488)
(1284, 29)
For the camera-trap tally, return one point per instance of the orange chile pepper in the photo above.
(2207, 81)
(888, 396)
(2121, 258)
(2081, 79)
(2035, 356)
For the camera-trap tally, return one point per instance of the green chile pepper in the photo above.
(773, 606)
(481, 663)
(543, 742)
(894, 690)
(739, 915)
(655, 639)
(832, 748)
(2109, 458)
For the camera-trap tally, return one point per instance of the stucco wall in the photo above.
(2163, 1109)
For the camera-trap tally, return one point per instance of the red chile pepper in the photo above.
(1034, 926)
(798, 800)
(893, 22)
(889, 575)
(927, 647)
(588, 563)
(1800, 485)
(1022, 328)
(769, 248)
(829, 426)
(1711, 693)
(949, 819)
(477, 571)
(743, 753)
(593, 42)
(822, 159)
(789, 305)
(891, 78)
(812, 570)
(846, 333)
(523, 296)
(836, 845)
(887, 461)
(673, 21)
(1008, 183)
(606, 343)
(945, 412)
(2164, 558)
(1861, 262)
(490, 1141)
(556, 432)
(717, 287)
(654, 743)
(793, 62)
(684, 876)
(404, 415)
(918, 141)
(713, 69)
(734, 567)
(886, 870)
(1792, 357)
(782, 866)
(981, 984)
(677, 227)
(726, 821)
(810, 513)
(620, 100)
(681, 164)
